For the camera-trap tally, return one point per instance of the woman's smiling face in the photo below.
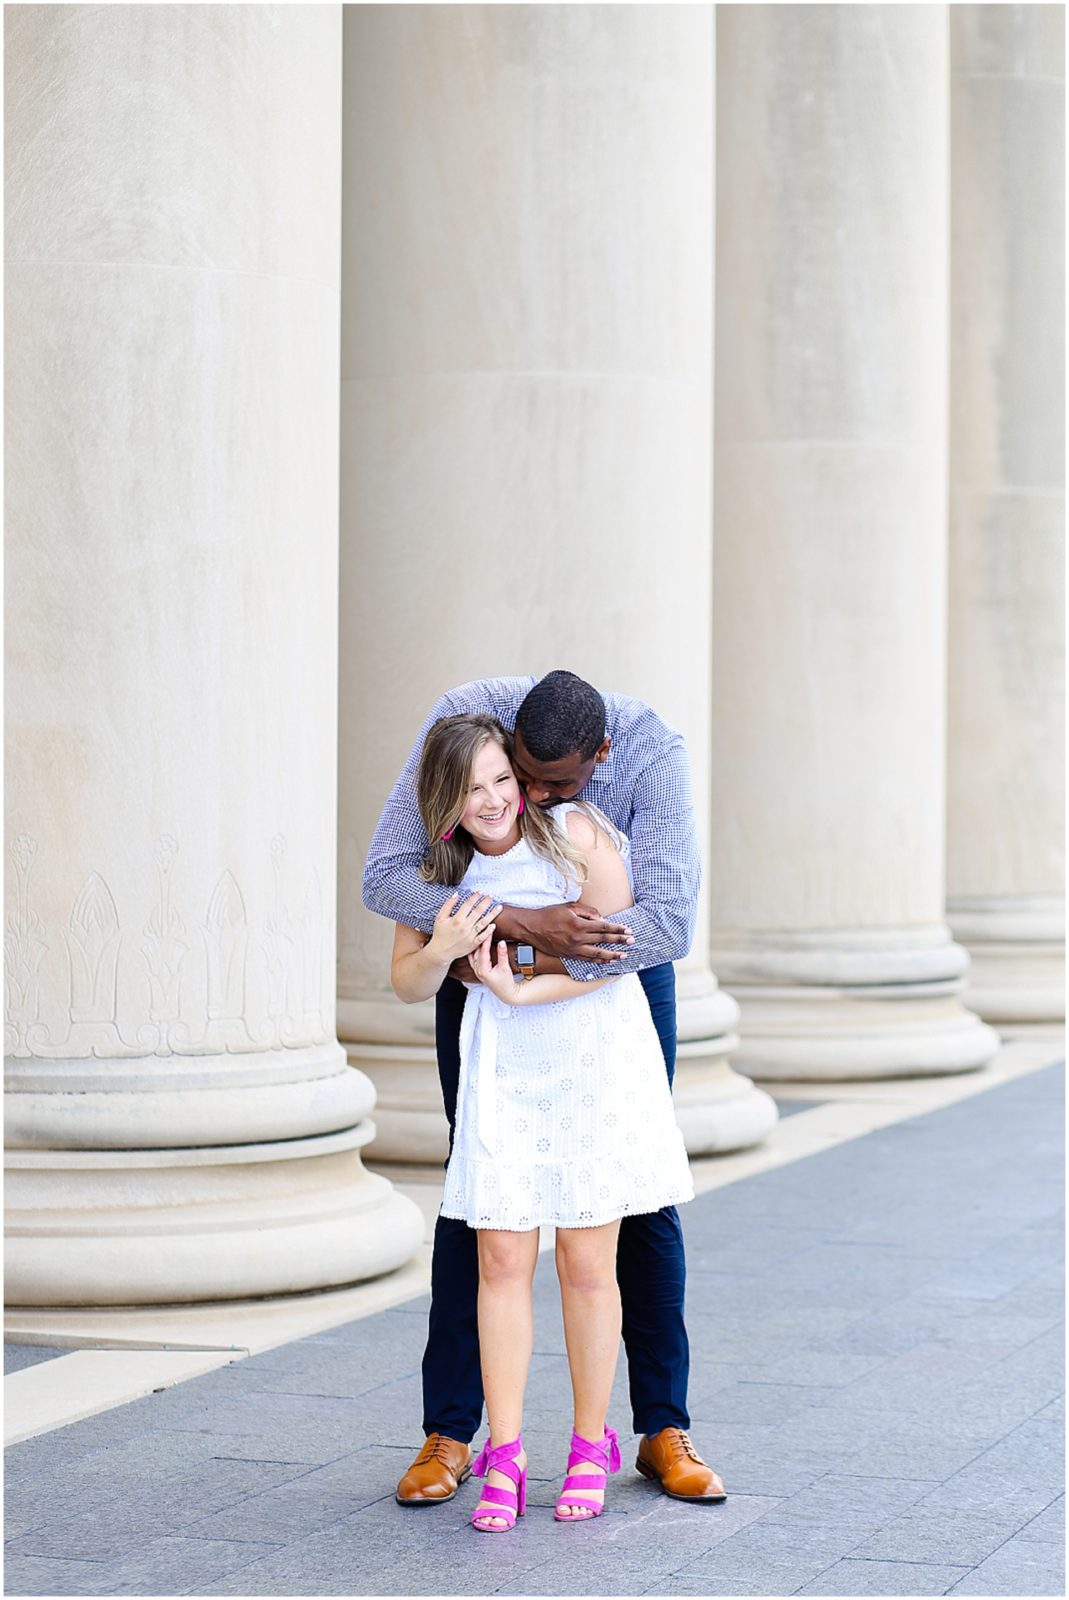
(490, 816)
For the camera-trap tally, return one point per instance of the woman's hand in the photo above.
(497, 975)
(460, 929)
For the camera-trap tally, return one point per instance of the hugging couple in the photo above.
(526, 811)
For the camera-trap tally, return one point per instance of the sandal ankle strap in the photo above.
(495, 1457)
(603, 1453)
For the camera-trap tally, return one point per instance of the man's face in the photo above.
(549, 782)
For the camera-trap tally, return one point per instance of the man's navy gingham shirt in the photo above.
(643, 787)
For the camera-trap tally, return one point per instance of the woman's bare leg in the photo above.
(590, 1298)
(506, 1338)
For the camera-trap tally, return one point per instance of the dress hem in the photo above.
(552, 1222)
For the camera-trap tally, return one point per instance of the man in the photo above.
(616, 752)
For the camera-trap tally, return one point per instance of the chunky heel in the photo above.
(605, 1455)
(506, 1504)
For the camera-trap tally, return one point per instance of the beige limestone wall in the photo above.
(172, 234)
(1005, 803)
(526, 387)
(829, 554)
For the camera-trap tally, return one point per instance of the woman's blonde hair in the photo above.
(443, 784)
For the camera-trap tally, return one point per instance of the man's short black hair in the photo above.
(560, 715)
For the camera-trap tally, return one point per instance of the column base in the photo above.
(410, 1124)
(829, 1034)
(1017, 946)
(150, 1227)
(160, 1102)
(853, 1004)
(716, 1109)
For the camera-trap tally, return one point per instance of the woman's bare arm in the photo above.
(419, 965)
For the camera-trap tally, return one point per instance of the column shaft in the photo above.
(1006, 735)
(181, 1120)
(829, 586)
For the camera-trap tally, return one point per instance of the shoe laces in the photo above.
(434, 1449)
(684, 1446)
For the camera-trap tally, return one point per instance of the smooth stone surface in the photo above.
(1006, 652)
(172, 297)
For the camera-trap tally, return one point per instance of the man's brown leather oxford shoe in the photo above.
(437, 1472)
(671, 1460)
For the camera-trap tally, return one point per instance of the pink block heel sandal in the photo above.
(511, 1504)
(604, 1455)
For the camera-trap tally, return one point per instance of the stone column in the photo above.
(181, 1121)
(525, 432)
(828, 641)
(1005, 857)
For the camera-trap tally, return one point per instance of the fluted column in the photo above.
(1006, 744)
(830, 547)
(181, 1121)
(526, 423)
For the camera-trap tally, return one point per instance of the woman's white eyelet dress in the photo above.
(564, 1113)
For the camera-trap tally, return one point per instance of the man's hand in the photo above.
(575, 930)
(566, 930)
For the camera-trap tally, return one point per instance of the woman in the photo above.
(564, 1115)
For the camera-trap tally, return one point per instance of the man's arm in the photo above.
(665, 868)
(392, 885)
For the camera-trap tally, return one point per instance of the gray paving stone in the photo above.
(279, 1515)
(38, 1575)
(1048, 1527)
(364, 1475)
(864, 1503)
(99, 1474)
(744, 1401)
(353, 1555)
(954, 1538)
(1017, 1568)
(781, 1556)
(1033, 1453)
(159, 1504)
(977, 1489)
(724, 1585)
(818, 1368)
(851, 1576)
(343, 1558)
(171, 1565)
(634, 1548)
(48, 1450)
(914, 1321)
(1043, 1298)
(331, 1377)
(913, 1453)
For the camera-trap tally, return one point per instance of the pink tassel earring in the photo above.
(449, 835)
(519, 809)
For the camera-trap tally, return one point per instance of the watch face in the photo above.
(525, 955)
